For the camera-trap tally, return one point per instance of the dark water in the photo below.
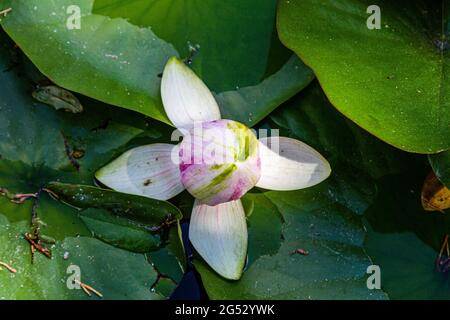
(190, 286)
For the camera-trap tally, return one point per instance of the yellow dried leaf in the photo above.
(435, 195)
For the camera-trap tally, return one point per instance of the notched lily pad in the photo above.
(392, 81)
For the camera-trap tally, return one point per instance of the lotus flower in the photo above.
(217, 162)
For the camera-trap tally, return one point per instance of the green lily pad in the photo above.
(309, 244)
(119, 232)
(115, 273)
(405, 240)
(407, 267)
(107, 59)
(148, 212)
(310, 118)
(173, 258)
(233, 44)
(122, 233)
(392, 81)
(250, 105)
(262, 214)
(36, 147)
(335, 267)
(441, 166)
(234, 57)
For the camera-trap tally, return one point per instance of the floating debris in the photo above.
(88, 289)
(5, 12)
(7, 266)
(58, 98)
(193, 51)
(36, 246)
(78, 153)
(70, 153)
(435, 195)
(165, 224)
(112, 56)
(303, 252)
(18, 198)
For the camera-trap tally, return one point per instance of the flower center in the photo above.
(219, 161)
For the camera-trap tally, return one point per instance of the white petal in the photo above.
(185, 97)
(146, 171)
(295, 166)
(219, 234)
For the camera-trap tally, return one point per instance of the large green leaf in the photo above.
(110, 60)
(234, 36)
(149, 212)
(234, 54)
(127, 221)
(311, 119)
(35, 144)
(115, 273)
(324, 220)
(392, 81)
(441, 166)
(118, 231)
(333, 235)
(121, 233)
(403, 238)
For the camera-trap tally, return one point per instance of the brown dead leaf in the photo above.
(435, 195)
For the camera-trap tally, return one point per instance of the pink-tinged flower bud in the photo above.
(219, 161)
